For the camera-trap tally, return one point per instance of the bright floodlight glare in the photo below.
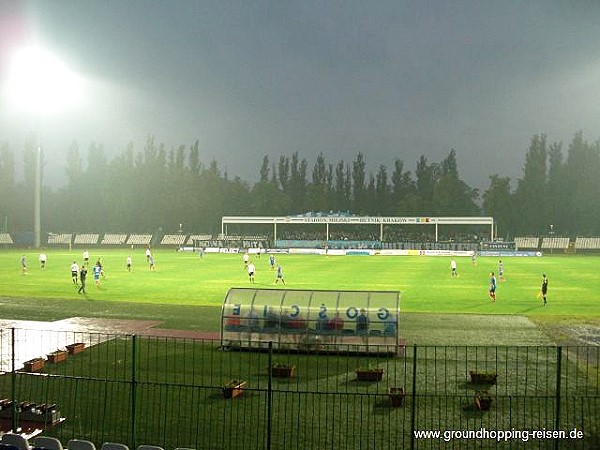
(38, 82)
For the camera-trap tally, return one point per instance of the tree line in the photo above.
(159, 188)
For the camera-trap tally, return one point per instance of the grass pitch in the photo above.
(186, 291)
(178, 398)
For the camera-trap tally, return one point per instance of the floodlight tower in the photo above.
(37, 201)
(40, 84)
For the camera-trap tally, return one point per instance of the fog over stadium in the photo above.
(391, 79)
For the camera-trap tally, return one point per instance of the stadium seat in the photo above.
(16, 440)
(114, 446)
(80, 444)
(48, 443)
(113, 239)
(149, 447)
(4, 446)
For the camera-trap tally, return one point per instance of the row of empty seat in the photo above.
(548, 243)
(5, 238)
(522, 243)
(173, 239)
(86, 239)
(587, 243)
(558, 243)
(114, 239)
(13, 441)
(527, 242)
(139, 239)
(59, 238)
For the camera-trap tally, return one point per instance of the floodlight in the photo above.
(38, 82)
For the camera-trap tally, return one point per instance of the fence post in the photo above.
(13, 381)
(558, 388)
(269, 395)
(133, 390)
(413, 410)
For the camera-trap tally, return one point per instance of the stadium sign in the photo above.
(498, 245)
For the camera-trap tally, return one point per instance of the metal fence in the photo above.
(171, 392)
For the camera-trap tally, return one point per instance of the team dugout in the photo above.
(347, 321)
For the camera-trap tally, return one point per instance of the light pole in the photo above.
(37, 206)
(40, 85)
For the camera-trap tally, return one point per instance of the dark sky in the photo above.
(391, 78)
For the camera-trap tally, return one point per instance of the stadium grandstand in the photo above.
(317, 239)
(193, 238)
(86, 239)
(139, 239)
(555, 243)
(531, 243)
(173, 239)
(114, 239)
(587, 243)
(242, 240)
(60, 238)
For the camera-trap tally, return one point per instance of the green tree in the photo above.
(8, 188)
(194, 159)
(383, 192)
(359, 194)
(530, 194)
(342, 187)
(319, 195)
(582, 168)
(404, 193)
(298, 183)
(264, 170)
(557, 188)
(283, 172)
(453, 197)
(498, 203)
(425, 183)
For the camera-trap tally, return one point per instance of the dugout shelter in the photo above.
(311, 320)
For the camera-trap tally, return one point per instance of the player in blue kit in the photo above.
(279, 275)
(97, 271)
(272, 261)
